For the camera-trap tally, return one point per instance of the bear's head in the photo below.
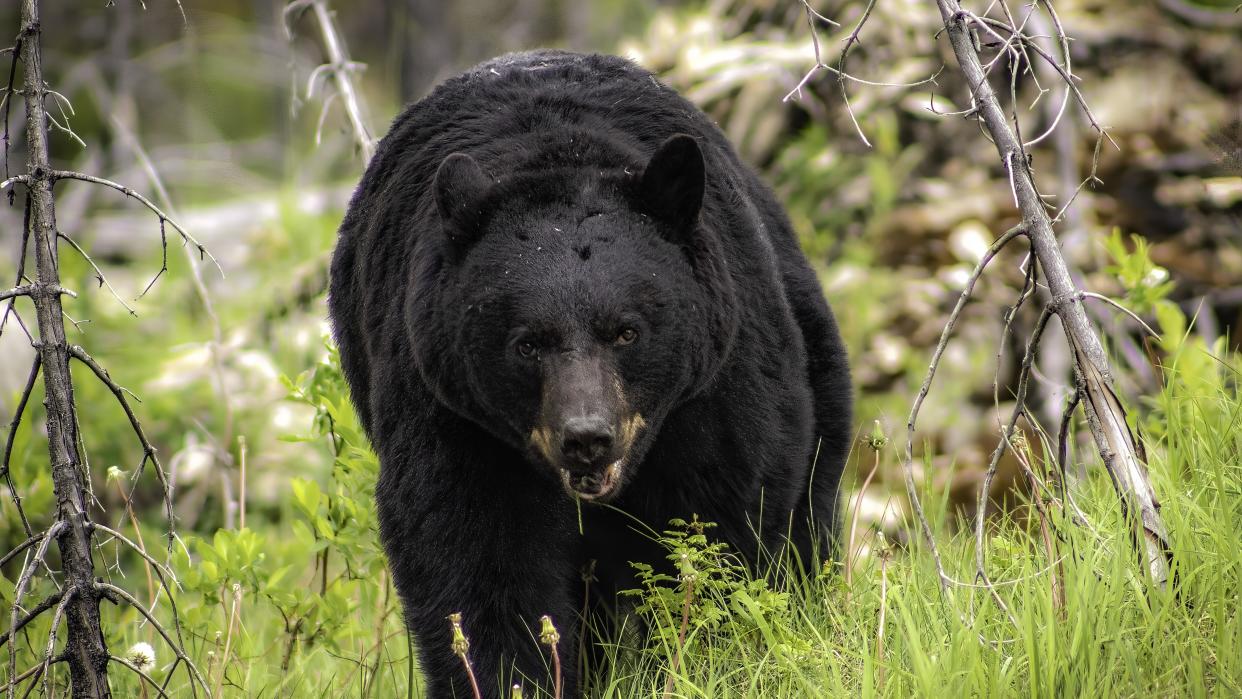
(567, 310)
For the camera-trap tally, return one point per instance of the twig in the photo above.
(50, 601)
(1024, 375)
(340, 67)
(1118, 447)
(8, 448)
(1123, 309)
(32, 289)
(33, 672)
(845, 51)
(1065, 75)
(21, 253)
(15, 179)
(185, 236)
(908, 460)
(148, 451)
(117, 595)
(811, 16)
(4, 560)
(1056, 580)
(19, 591)
(66, 597)
(1067, 496)
(160, 570)
(141, 547)
(138, 671)
(99, 275)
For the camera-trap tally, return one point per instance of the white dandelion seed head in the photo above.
(141, 655)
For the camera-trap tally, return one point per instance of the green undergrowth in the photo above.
(311, 610)
(297, 602)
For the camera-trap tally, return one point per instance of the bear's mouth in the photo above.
(592, 486)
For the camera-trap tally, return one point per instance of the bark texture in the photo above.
(87, 655)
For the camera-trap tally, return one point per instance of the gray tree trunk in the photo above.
(87, 655)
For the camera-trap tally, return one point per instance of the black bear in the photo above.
(564, 304)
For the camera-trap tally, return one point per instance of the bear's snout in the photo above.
(587, 444)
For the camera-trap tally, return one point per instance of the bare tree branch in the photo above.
(99, 275)
(1118, 447)
(85, 650)
(163, 217)
(116, 595)
(50, 601)
(145, 677)
(14, 180)
(908, 460)
(148, 451)
(8, 448)
(29, 290)
(339, 67)
(19, 592)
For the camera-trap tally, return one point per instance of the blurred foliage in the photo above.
(218, 107)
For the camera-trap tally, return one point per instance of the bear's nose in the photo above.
(587, 440)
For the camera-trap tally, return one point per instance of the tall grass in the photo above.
(304, 608)
(1117, 635)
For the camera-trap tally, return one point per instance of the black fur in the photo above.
(572, 233)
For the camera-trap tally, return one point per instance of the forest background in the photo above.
(218, 112)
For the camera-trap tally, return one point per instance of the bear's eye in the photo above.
(527, 349)
(627, 336)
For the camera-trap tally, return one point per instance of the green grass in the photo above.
(1116, 636)
(299, 603)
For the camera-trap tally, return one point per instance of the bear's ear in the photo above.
(671, 187)
(460, 185)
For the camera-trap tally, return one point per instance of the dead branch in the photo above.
(1118, 447)
(138, 671)
(33, 672)
(203, 252)
(148, 451)
(8, 447)
(1006, 441)
(99, 275)
(23, 179)
(25, 244)
(19, 591)
(162, 572)
(160, 568)
(908, 460)
(4, 560)
(50, 601)
(339, 67)
(78, 604)
(1133, 316)
(51, 638)
(116, 595)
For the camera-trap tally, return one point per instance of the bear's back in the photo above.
(507, 111)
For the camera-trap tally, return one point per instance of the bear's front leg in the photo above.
(480, 533)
